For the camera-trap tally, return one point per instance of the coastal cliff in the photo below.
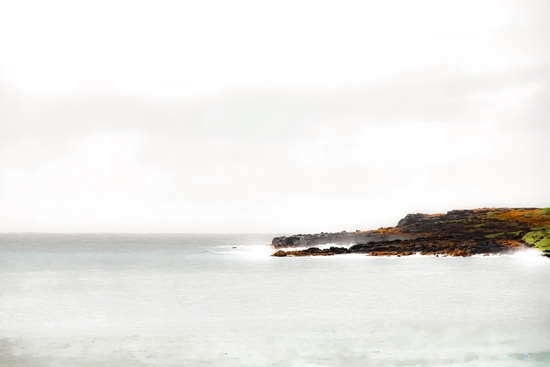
(456, 233)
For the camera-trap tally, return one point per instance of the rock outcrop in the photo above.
(456, 233)
(341, 238)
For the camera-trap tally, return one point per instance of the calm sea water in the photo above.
(195, 300)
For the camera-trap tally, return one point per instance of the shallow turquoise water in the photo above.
(194, 300)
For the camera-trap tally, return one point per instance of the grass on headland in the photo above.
(537, 219)
(494, 235)
(539, 237)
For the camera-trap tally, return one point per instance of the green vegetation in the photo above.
(544, 211)
(493, 235)
(539, 237)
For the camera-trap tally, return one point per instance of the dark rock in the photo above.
(456, 233)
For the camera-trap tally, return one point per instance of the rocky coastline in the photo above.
(485, 231)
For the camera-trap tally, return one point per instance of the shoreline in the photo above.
(457, 233)
(528, 253)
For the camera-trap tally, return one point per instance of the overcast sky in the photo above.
(280, 117)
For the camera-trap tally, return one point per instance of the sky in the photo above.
(268, 117)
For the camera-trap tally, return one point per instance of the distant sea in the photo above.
(221, 300)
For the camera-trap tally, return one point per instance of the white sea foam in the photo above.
(529, 255)
(245, 250)
(329, 245)
(256, 250)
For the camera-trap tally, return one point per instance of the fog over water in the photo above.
(210, 300)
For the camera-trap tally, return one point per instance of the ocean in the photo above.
(222, 300)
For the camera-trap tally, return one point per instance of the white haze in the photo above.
(302, 116)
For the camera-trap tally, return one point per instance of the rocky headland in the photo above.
(485, 231)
